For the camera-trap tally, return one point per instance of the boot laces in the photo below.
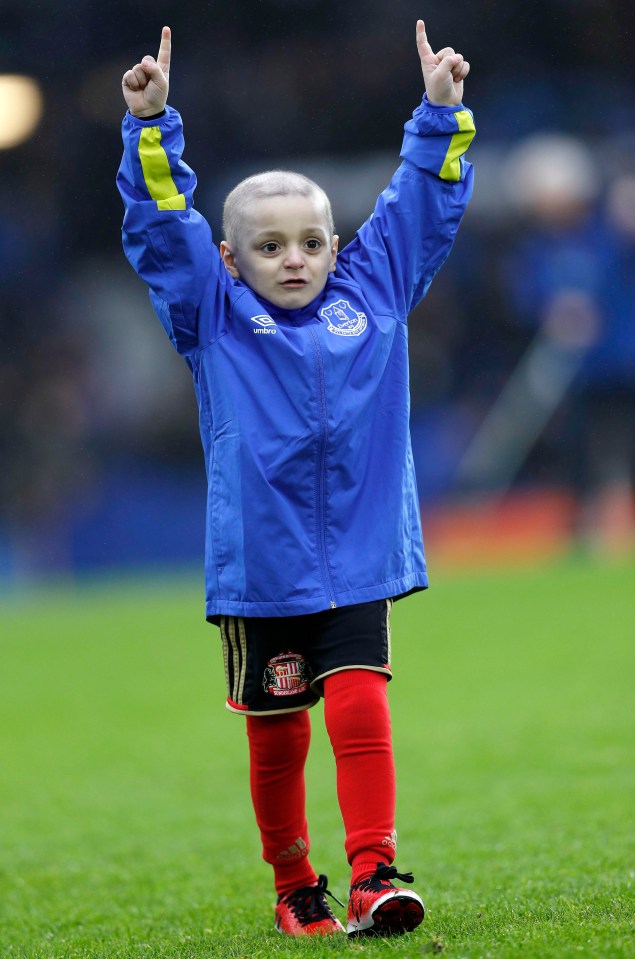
(382, 875)
(309, 904)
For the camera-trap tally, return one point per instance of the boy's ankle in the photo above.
(293, 876)
(364, 868)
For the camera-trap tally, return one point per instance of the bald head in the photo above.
(267, 185)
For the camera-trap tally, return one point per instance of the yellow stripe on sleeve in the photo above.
(156, 171)
(172, 203)
(451, 169)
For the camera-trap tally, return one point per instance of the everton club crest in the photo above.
(343, 319)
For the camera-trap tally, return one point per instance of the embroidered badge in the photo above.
(343, 319)
(286, 675)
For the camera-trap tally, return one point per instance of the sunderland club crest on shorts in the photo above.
(286, 675)
(343, 319)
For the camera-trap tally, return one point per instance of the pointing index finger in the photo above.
(165, 50)
(422, 37)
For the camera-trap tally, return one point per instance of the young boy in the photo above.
(300, 365)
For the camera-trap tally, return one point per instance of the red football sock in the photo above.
(358, 722)
(278, 747)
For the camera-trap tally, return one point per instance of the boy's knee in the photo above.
(355, 684)
(287, 733)
(356, 709)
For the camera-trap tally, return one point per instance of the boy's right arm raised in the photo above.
(166, 240)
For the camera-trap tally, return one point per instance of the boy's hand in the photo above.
(145, 87)
(443, 72)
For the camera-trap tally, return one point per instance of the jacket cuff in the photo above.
(439, 107)
(152, 120)
(436, 138)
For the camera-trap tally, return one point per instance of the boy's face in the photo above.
(285, 251)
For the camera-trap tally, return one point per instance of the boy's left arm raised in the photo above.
(399, 249)
(166, 240)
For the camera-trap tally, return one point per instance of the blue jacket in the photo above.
(304, 414)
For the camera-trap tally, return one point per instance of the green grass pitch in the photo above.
(124, 808)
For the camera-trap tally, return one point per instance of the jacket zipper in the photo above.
(321, 470)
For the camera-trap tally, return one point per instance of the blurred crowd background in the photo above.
(523, 353)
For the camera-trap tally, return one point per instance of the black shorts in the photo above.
(276, 664)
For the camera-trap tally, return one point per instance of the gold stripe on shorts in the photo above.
(242, 636)
(235, 658)
(234, 639)
(223, 634)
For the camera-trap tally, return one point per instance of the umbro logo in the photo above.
(266, 324)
